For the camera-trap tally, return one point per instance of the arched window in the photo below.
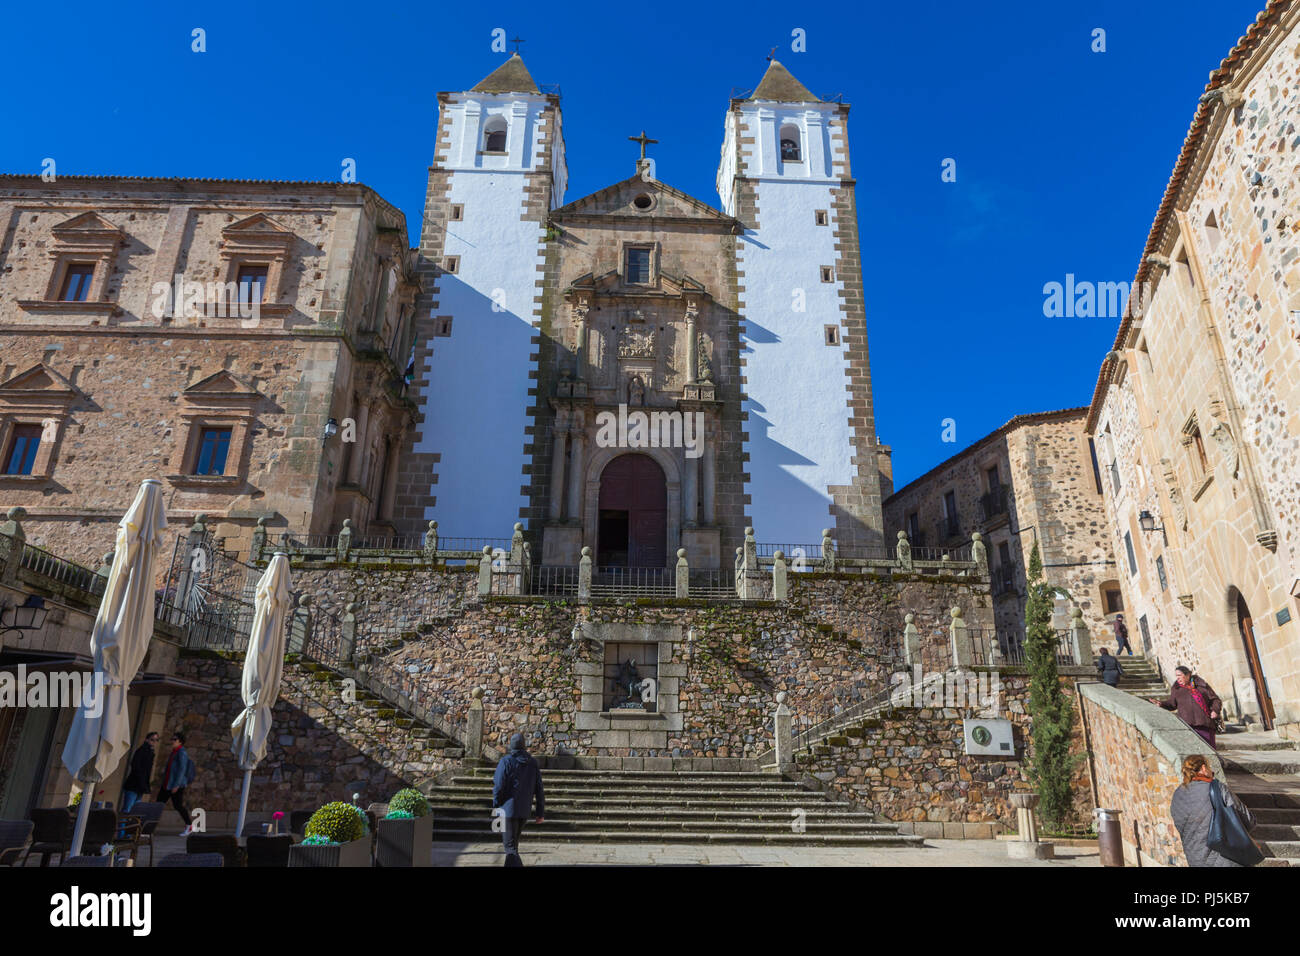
(494, 135)
(790, 152)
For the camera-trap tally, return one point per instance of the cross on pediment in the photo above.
(644, 140)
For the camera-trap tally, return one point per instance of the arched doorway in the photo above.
(633, 523)
(1246, 627)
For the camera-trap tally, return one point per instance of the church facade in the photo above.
(637, 371)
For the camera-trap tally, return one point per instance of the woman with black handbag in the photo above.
(1213, 823)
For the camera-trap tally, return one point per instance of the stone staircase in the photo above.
(1141, 679)
(667, 807)
(1263, 769)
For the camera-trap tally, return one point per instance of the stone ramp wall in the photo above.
(909, 766)
(1137, 754)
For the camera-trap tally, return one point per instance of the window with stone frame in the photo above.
(77, 278)
(1197, 460)
(84, 250)
(1112, 598)
(24, 442)
(255, 253)
(217, 415)
(1160, 571)
(1132, 555)
(638, 264)
(213, 449)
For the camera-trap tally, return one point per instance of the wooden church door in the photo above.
(633, 526)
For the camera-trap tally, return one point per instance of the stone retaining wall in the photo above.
(910, 767)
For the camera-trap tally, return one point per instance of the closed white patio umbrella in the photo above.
(100, 735)
(263, 664)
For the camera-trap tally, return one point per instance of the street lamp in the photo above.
(331, 429)
(1148, 523)
(28, 616)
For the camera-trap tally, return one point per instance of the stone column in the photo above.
(575, 476)
(682, 578)
(1026, 845)
(348, 635)
(580, 347)
(557, 475)
(390, 483)
(300, 626)
(485, 572)
(358, 445)
(710, 481)
(584, 575)
(1082, 640)
(11, 544)
(784, 735)
(962, 653)
(780, 578)
(474, 728)
(912, 642)
(690, 492)
(692, 349)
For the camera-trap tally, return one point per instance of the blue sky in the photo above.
(1062, 154)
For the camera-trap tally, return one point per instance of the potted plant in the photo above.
(336, 835)
(406, 831)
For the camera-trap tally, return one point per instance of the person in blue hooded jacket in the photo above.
(517, 783)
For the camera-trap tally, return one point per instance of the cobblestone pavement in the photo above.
(935, 853)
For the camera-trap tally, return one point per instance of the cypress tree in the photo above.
(1050, 762)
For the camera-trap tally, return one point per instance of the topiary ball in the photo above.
(409, 802)
(337, 822)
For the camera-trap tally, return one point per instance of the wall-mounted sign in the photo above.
(1283, 616)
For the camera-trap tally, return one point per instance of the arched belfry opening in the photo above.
(632, 529)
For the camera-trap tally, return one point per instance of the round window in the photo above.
(643, 201)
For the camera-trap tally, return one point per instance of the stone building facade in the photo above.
(1034, 480)
(202, 332)
(708, 338)
(1196, 412)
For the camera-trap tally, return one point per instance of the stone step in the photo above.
(575, 781)
(638, 793)
(1283, 849)
(806, 799)
(1289, 816)
(1264, 800)
(538, 831)
(684, 826)
(1255, 741)
(1275, 831)
(814, 814)
(1261, 761)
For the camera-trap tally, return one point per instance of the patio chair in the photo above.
(268, 850)
(148, 814)
(298, 821)
(127, 838)
(223, 843)
(192, 860)
(14, 835)
(101, 828)
(104, 861)
(51, 834)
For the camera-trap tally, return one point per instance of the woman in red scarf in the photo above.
(1197, 704)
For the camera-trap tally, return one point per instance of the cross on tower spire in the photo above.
(643, 139)
(516, 41)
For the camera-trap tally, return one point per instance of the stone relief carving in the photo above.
(1175, 493)
(704, 357)
(1230, 456)
(636, 343)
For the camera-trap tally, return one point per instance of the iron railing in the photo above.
(51, 566)
(614, 582)
(993, 504)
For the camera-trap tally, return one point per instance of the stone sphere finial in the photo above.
(304, 600)
(749, 532)
(351, 607)
(955, 612)
(477, 693)
(681, 552)
(902, 535)
(779, 555)
(1077, 613)
(909, 617)
(781, 697)
(519, 526)
(975, 535)
(261, 521)
(586, 551)
(487, 550)
(433, 526)
(347, 524)
(826, 532)
(16, 513)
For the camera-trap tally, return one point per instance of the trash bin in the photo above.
(1109, 840)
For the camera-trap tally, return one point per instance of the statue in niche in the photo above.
(627, 686)
(702, 358)
(636, 391)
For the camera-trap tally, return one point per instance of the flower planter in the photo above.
(406, 842)
(355, 853)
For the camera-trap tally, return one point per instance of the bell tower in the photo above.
(498, 170)
(810, 436)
